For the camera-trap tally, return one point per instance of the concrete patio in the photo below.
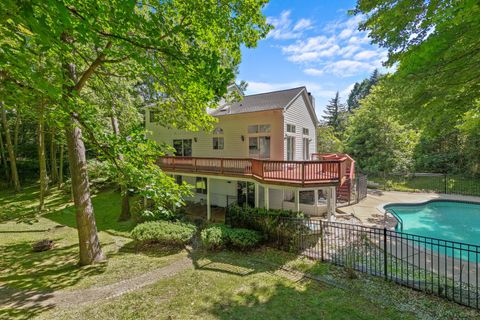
(370, 211)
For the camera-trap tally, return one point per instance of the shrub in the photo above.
(214, 237)
(243, 239)
(218, 236)
(165, 232)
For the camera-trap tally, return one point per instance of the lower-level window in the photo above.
(178, 179)
(201, 185)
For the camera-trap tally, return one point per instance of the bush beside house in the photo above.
(164, 232)
(218, 236)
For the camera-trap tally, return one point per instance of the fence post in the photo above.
(321, 240)
(385, 253)
(446, 183)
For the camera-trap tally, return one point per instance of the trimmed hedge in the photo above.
(219, 236)
(164, 232)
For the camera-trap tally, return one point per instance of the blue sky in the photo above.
(314, 43)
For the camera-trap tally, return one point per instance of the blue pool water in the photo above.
(446, 220)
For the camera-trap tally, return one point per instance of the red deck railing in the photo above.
(280, 172)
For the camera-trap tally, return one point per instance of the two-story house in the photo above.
(262, 152)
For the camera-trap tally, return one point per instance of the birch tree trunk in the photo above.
(89, 244)
(11, 152)
(41, 157)
(125, 211)
(15, 133)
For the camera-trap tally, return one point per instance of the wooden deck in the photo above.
(294, 173)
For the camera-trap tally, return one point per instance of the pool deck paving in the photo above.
(370, 210)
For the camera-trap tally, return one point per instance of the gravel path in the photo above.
(14, 298)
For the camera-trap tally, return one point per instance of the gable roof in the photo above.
(260, 102)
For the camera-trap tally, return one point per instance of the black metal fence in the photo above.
(444, 268)
(357, 191)
(428, 182)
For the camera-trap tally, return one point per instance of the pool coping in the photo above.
(383, 210)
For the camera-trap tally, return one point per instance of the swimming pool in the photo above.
(448, 220)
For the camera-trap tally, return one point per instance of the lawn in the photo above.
(223, 285)
(434, 183)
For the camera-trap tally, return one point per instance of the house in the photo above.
(262, 152)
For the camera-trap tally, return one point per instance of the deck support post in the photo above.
(266, 197)
(297, 200)
(209, 207)
(257, 195)
(315, 201)
(331, 202)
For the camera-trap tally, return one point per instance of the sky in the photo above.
(315, 44)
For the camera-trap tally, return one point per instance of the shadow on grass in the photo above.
(267, 291)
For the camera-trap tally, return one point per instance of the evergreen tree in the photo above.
(334, 112)
(361, 89)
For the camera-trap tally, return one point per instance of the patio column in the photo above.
(297, 200)
(209, 208)
(315, 201)
(266, 197)
(257, 195)
(331, 202)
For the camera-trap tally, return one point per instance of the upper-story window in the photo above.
(218, 143)
(153, 116)
(291, 128)
(218, 131)
(262, 128)
(305, 131)
(183, 147)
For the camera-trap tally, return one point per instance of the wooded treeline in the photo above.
(75, 75)
(425, 115)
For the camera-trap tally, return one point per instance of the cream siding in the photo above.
(234, 127)
(298, 114)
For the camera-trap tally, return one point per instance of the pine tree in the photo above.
(334, 113)
(361, 89)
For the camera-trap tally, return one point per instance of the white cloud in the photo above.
(366, 55)
(284, 28)
(302, 24)
(313, 72)
(342, 50)
(348, 68)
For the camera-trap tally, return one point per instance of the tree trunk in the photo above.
(4, 157)
(53, 157)
(60, 167)
(15, 133)
(11, 152)
(90, 249)
(41, 157)
(125, 211)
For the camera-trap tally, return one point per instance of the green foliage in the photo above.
(214, 237)
(435, 49)
(377, 140)
(360, 90)
(243, 239)
(327, 141)
(280, 228)
(335, 114)
(219, 236)
(164, 232)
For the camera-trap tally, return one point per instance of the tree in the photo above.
(327, 141)
(334, 113)
(188, 50)
(436, 50)
(10, 149)
(361, 89)
(376, 139)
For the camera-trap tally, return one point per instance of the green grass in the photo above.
(223, 285)
(455, 184)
